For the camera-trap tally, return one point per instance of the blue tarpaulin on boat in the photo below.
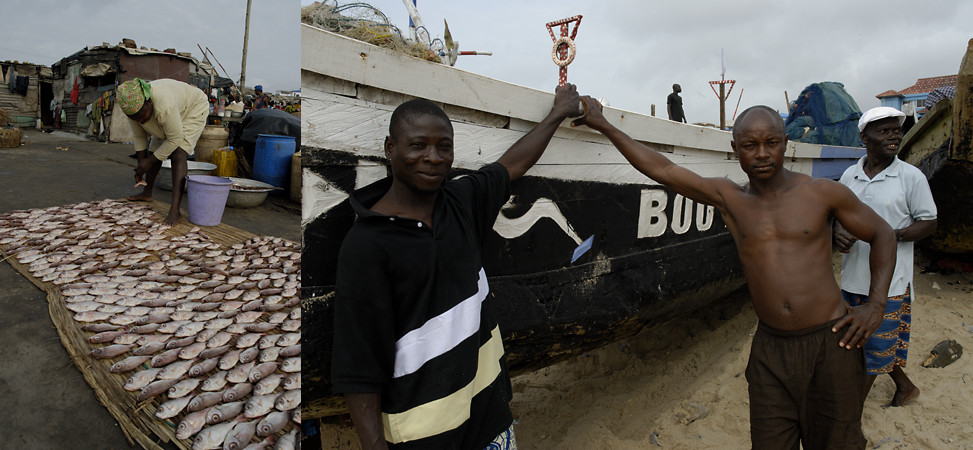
(824, 113)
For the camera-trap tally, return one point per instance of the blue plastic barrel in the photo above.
(272, 159)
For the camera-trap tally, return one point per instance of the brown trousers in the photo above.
(805, 389)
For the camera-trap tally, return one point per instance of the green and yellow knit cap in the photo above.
(132, 94)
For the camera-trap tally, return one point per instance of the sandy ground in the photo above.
(681, 385)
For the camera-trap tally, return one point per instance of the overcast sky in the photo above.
(631, 52)
(44, 31)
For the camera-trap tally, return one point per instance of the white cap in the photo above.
(877, 113)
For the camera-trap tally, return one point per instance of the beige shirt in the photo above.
(178, 118)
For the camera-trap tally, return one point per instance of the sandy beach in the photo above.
(680, 385)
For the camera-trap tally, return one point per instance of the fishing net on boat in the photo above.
(363, 22)
(826, 114)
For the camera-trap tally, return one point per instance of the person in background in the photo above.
(805, 374)
(417, 349)
(174, 114)
(261, 100)
(900, 194)
(674, 105)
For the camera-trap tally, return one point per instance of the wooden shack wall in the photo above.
(22, 109)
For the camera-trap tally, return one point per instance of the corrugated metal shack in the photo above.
(82, 83)
(25, 93)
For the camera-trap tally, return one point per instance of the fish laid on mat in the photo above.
(259, 405)
(171, 408)
(273, 423)
(241, 435)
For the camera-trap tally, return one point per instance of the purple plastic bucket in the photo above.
(207, 198)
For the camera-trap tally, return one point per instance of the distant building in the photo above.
(912, 98)
(83, 82)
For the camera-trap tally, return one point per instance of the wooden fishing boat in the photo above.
(654, 255)
(941, 145)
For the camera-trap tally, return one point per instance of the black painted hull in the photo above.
(638, 272)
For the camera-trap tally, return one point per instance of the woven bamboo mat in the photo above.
(136, 419)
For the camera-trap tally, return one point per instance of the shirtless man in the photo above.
(806, 375)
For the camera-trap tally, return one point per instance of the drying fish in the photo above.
(191, 424)
(184, 387)
(127, 338)
(237, 392)
(145, 329)
(268, 384)
(192, 351)
(259, 405)
(91, 316)
(288, 400)
(150, 348)
(291, 325)
(248, 317)
(180, 342)
(220, 339)
(182, 316)
(296, 415)
(240, 373)
(176, 370)
(218, 323)
(269, 354)
(212, 437)
(291, 365)
(204, 316)
(277, 318)
(288, 441)
(105, 336)
(99, 327)
(248, 340)
(232, 305)
(147, 338)
(206, 334)
(223, 412)
(80, 307)
(123, 319)
(204, 400)
(253, 305)
(141, 379)
(189, 329)
(214, 352)
(292, 381)
(260, 327)
(128, 364)
(165, 358)
(155, 388)
(228, 360)
(273, 423)
(268, 341)
(171, 408)
(110, 351)
(289, 339)
(240, 435)
(153, 318)
(261, 370)
(236, 328)
(248, 355)
(215, 382)
(294, 350)
(203, 367)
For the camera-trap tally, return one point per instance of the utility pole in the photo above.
(246, 35)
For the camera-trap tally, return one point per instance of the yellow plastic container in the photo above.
(226, 162)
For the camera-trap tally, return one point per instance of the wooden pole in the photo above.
(246, 36)
(787, 103)
(653, 110)
(722, 106)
